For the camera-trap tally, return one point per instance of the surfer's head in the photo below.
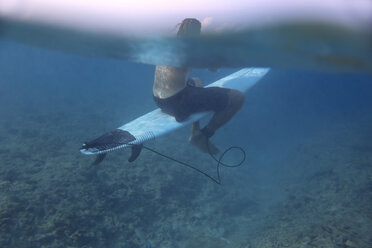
(190, 27)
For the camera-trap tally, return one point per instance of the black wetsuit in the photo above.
(192, 100)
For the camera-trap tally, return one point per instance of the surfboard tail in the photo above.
(99, 158)
(136, 151)
(111, 141)
(108, 142)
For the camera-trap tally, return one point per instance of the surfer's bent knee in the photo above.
(236, 99)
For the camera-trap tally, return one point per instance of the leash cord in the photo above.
(219, 163)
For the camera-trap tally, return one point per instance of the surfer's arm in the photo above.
(194, 81)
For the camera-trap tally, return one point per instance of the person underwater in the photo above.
(180, 96)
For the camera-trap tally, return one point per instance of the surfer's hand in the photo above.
(196, 82)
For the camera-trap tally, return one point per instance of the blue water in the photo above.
(307, 180)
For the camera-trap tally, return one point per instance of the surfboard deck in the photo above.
(157, 123)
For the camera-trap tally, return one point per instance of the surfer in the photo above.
(177, 95)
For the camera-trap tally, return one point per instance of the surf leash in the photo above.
(218, 160)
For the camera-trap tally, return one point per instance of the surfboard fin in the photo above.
(99, 158)
(136, 150)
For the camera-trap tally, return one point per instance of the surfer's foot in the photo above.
(201, 141)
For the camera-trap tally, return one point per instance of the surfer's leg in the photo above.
(195, 138)
(235, 102)
(197, 83)
(200, 137)
(195, 127)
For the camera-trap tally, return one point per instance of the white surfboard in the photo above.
(311, 34)
(157, 123)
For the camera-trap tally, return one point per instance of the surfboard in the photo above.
(310, 34)
(156, 123)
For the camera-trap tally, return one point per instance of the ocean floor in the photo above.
(294, 190)
(52, 197)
